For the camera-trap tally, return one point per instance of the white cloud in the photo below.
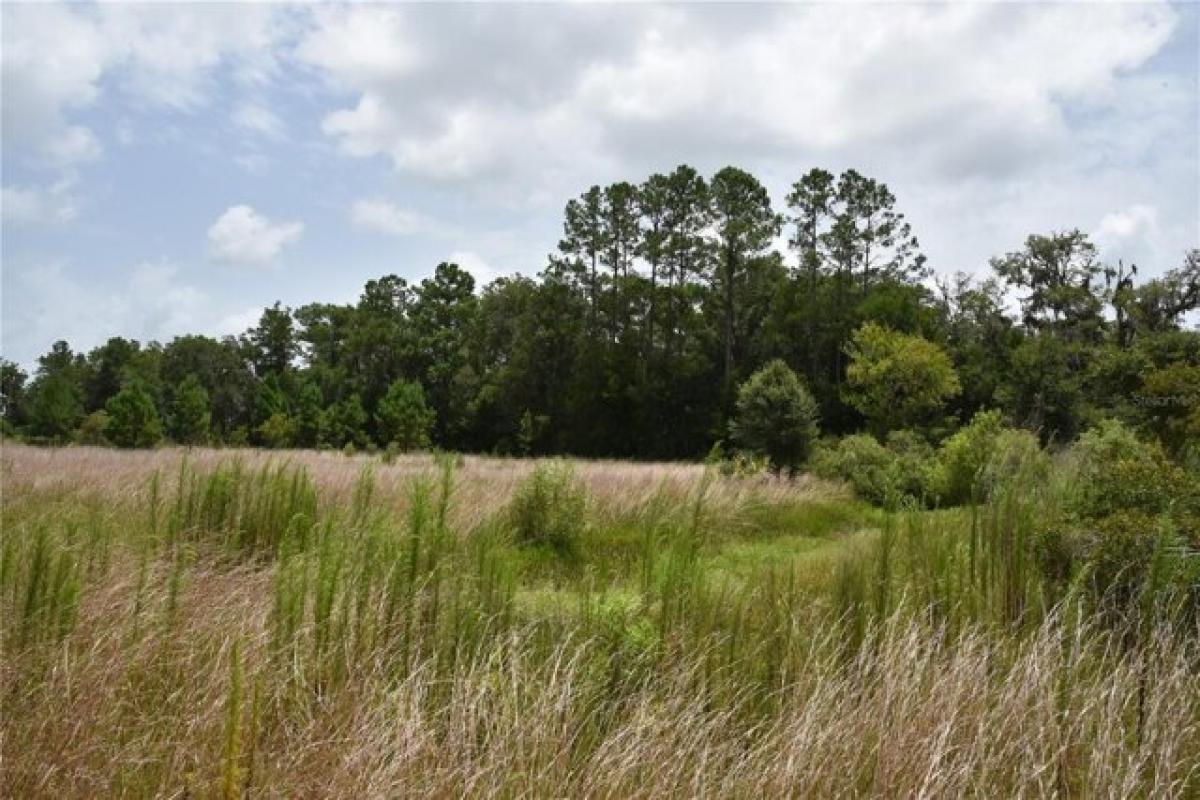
(259, 119)
(964, 89)
(149, 301)
(1128, 233)
(242, 235)
(381, 216)
(32, 205)
(238, 322)
(60, 59)
(483, 272)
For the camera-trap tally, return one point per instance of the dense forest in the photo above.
(661, 300)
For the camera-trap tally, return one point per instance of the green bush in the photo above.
(133, 418)
(776, 417)
(91, 430)
(904, 471)
(965, 455)
(981, 456)
(1116, 471)
(549, 507)
(1135, 521)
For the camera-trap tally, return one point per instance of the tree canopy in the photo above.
(663, 296)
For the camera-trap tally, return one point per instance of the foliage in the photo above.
(277, 430)
(54, 408)
(897, 380)
(904, 471)
(776, 417)
(133, 420)
(549, 507)
(663, 296)
(404, 418)
(190, 413)
(92, 429)
(343, 423)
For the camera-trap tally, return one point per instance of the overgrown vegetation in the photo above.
(438, 626)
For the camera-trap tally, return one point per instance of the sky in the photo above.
(174, 168)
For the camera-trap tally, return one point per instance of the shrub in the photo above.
(276, 431)
(1117, 471)
(905, 470)
(549, 507)
(776, 417)
(133, 419)
(91, 430)
(964, 456)
(897, 380)
(1135, 519)
(190, 413)
(403, 416)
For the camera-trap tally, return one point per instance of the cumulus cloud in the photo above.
(259, 119)
(150, 301)
(243, 236)
(34, 205)
(972, 89)
(483, 272)
(60, 59)
(381, 216)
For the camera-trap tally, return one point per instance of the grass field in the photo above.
(236, 623)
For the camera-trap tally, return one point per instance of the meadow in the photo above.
(230, 623)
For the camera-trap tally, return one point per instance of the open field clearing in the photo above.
(236, 623)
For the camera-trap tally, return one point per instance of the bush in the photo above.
(1116, 471)
(776, 417)
(132, 418)
(965, 455)
(549, 507)
(1135, 519)
(403, 416)
(91, 430)
(904, 471)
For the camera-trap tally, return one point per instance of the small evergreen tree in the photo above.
(190, 413)
(91, 430)
(776, 416)
(344, 423)
(277, 430)
(54, 408)
(403, 416)
(308, 415)
(132, 418)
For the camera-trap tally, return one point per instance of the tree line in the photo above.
(660, 301)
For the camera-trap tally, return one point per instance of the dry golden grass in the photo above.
(483, 484)
(139, 700)
(121, 713)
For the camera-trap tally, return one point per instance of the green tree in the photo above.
(1043, 389)
(404, 418)
(308, 415)
(272, 343)
(897, 380)
(345, 423)
(54, 407)
(12, 392)
(744, 226)
(776, 416)
(132, 417)
(190, 412)
(1064, 284)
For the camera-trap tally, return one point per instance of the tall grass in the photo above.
(230, 632)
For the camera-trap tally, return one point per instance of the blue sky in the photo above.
(173, 168)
